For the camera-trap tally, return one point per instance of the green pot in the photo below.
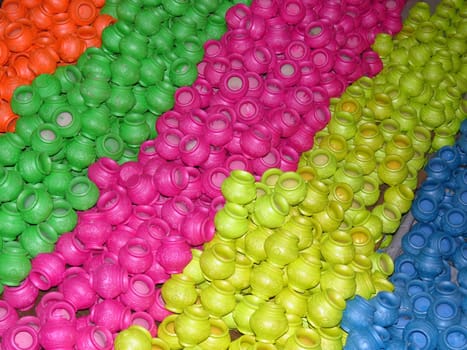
(178, 293)
(192, 325)
(269, 322)
(325, 308)
(218, 262)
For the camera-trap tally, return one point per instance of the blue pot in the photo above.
(444, 312)
(462, 143)
(405, 263)
(421, 303)
(432, 188)
(448, 289)
(386, 306)
(454, 222)
(358, 313)
(414, 241)
(429, 263)
(437, 169)
(421, 334)
(425, 208)
(450, 155)
(453, 338)
(443, 243)
(416, 286)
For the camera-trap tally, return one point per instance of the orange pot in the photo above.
(89, 35)
(70, 47)
(41, 17)
(20, 63)
(14, 9)
(83, 12)
(43, 60)
(18, 36)
(56, 6)
(9, 83)
(63, 25)
(46, 39)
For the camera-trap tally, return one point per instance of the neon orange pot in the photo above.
(83, 12)
(70, 47)
(14, 9)
(63, 25)
(56, 6)
(18, 37)
(43, 60)
(20, 64)
(89, 35)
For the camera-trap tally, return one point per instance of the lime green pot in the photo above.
(316, 198)
(336, 144)
(331, 217)
(239, 187)
(266, 280)
(293, 301)
(337, 247)
(393, 170)
(362, 240)
(218, 298)
(232, 221)
(339, 277)
(325, 308)
(292, 186)
(219, 337)
(281, 248)
(271, 210)
(218, 262)
(192, 325)
(269, 322)
(400, 145)
(401, 196)
(304, 273)
(323, 161)
(178, 292)
(331, 338)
